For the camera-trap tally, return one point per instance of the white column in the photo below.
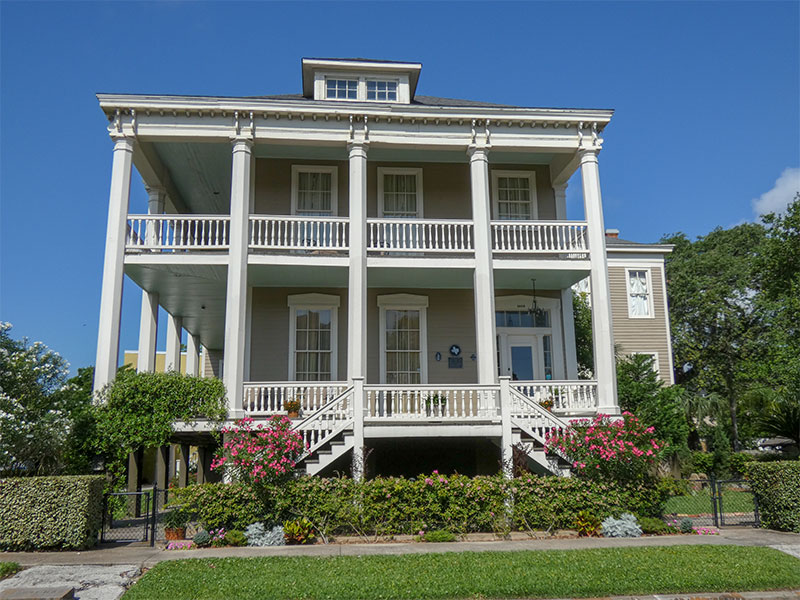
(236, 299)
(107, 358)
(148, 331)
(358, 428)
(172, 361)
(568, 322)
(485, 340)
(148, 323)
(506, 439)
(603, 338)
(357, 278)
(192, 354)
(560, 191)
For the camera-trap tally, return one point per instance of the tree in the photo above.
(717, 325)
(582, 314)
(34, 418)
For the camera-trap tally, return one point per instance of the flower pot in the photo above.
(293, 414)
(175, 533)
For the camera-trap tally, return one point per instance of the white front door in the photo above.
(519, 357)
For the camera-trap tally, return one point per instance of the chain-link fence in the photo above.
(714, 503)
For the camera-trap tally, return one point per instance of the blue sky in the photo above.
(706, 98)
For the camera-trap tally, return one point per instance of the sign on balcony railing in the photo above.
(298, 233)
(172, 232)
(437, 403)
(419, 235)
(571, 396)
(539, 236)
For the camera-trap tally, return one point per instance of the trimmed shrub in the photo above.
(776, 486)
(48, 513)
(235, 537)
(215, 505)
(625, 527)
(259, 534)
(438, 535)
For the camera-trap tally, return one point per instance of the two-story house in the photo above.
(401, 264)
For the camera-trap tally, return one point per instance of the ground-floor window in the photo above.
(403, 339)
(312, 337)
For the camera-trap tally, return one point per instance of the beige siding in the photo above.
(273, 185)
(269, 340)
(211, 360)
(545, 197)
(640, 335)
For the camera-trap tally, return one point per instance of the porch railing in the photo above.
(540, 237)
(173, 232)
(269, 398)
(565, 396)
(420, 235)
(298, 233)
(432, 402)
(327, 421)
(532, 418)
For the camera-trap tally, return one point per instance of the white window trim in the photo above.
(321, 78)
(332, 169)
(654, 355)
(405, 302)
(314, 301)
(650, 313)
(523, 301)
(417, 172)
(531, 175)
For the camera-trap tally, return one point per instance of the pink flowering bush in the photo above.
(260, 454)
(601, 448)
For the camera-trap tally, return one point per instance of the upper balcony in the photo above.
(396, 237)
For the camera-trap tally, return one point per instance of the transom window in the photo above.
(639, 293)
(382, 90)
(514, 195)
(341, 89)
(400, 192)
(522, 318)
(312, 353)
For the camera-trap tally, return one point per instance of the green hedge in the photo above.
(777, 489)
(42, 513)
(386, 506)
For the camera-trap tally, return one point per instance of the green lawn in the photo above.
(700, 503)
(7, 569)
(548, 574)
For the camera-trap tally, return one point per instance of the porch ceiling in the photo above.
(194, 292)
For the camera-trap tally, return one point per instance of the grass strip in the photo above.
(537, 574)
(7, 569)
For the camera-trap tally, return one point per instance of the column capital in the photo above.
(478, 152)
(358, 148)
(560, 188)
(588, 154)
(242, 144)
(122, 142)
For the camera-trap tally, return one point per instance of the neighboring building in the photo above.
(131, 358)
(371, 252)
(639, 308)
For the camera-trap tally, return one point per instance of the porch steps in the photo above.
(536, 454)
(329, 453)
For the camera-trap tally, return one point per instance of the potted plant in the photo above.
(547, 403)
(175, 524)
(435, 405)
(292, 408)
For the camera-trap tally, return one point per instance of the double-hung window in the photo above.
(640, 297)
(400, 193)
(312, 342)
(514, 195)
(314, 190)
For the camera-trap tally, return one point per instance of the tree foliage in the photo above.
(582, 314)
(138, 410)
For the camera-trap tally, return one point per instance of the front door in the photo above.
(518, 358)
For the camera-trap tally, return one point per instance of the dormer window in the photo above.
(382, 91)
(341, 89)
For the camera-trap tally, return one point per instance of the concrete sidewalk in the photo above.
(144, 556)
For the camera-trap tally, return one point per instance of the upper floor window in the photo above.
(314, 190)
(514, 195)
(640, 297)
(341, 89)
(385, 91)
(400, 193)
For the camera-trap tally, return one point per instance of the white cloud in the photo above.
(778, 198)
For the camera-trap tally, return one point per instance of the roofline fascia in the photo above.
(649, 249)
(208, 103)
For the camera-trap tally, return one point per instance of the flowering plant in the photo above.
(292, 406)
(605, 448)
(260, 453)
(181, 545)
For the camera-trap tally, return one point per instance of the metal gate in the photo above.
(718, 503)
(133, 516)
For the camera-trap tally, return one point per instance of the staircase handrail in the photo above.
(339, 424)
(520, 399)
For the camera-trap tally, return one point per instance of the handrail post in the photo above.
(358, 428)
(506, 451)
